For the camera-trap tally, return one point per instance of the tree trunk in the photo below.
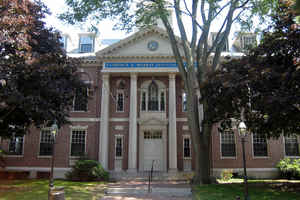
(201, 136)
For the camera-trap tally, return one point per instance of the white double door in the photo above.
(153, 150)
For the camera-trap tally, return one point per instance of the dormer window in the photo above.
(214, 37)
(86, 43)
(63, 42)
(248, 41)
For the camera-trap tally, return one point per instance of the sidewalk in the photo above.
(138, 190)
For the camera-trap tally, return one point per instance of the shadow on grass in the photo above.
(38, 189)
(257, 191)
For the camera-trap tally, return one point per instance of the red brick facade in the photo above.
(119, 126)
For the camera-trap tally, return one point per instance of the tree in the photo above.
(264, 86)
(37, 80)
(203, 14)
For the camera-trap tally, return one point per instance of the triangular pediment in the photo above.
(150, 42)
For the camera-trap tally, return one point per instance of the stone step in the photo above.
(161, 191)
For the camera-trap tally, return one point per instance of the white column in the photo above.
(103, 154)
(132, 157)
(172, 124)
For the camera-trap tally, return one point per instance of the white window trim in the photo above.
(87, 104)
(86, 35)
(122, 141)
(38, 153)
(159, 100)
(78, 128)
(120, 91)
(284, 148)
(250, 37)
(220, 143)
(66, 41)
(17, 156)
(182, 102)
(260, 157)
(186, 136)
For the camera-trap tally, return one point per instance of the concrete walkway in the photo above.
(138, 190)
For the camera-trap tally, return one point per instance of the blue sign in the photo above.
(140, 65)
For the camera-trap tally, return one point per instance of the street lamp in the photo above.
(242, 129)
(53, 132)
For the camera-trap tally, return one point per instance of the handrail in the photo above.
(150, 177)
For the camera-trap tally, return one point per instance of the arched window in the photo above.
(153, 97)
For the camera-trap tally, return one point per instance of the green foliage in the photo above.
(226, 174)
(264, 84)
(37, 80)
(289, 168)
(87, 170)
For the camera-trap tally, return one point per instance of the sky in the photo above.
(105, 27)
(58, 6)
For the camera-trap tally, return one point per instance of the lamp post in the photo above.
(242, 128)
(53, 132)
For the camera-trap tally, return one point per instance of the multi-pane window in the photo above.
(153, 97)
(214, 37)
(16, 146)
(152, 135)
(186, 147)
(78, 142)
(120, 100)
(228, 144)
(260, 146)
(63, 41)
(248, 41)
(184, 106)
(291, 145)
(119, 146)
(46, 143)
(162, 101)
(80, 100)
(143, 101)
(86, 44)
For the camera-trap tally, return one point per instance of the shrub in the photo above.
(226, 174)
(289, 168)
(87, 170)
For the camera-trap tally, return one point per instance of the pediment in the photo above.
(141, 43)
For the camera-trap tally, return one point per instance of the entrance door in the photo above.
(153, 150)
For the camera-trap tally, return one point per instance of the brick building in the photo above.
(136, 114)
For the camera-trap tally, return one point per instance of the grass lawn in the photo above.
(38, 190)
(258, 190)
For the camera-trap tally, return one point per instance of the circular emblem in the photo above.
(153, 45)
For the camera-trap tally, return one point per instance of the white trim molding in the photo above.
(84, 119)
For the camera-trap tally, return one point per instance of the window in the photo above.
(143, 101)
(291, 145)
(119, 146)
(228, 144)
(162, 101)
(78, 142)
(46, 143)
(248, 41)
(153, 98)
(184, 106)
(214, 37)
(259, 145)
(152, 135)
(63, 41)
(80, 100)
(86, 44)
(186, 147)
(16, 146)
(120, 100)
